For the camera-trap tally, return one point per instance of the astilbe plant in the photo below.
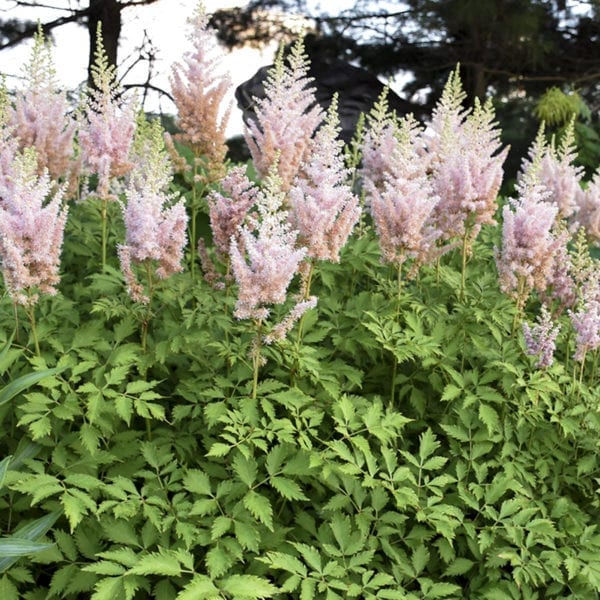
(322, 207)
(465, 160)
(31, 232)
(199, 87)
(155, 221)
(525, 259)
(557, 170)
(540, 339)
(9, 142)
(286, 118)
(107, 126)
(41, 116)
(588, 209)
(403, 203)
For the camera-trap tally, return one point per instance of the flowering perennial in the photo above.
(586, 320)
(106, 132)
(525, 260)
(540, 339)
(198, 90)
(402, 204)
(31, 230)
(588, 209)
(556, 170)
(466, 167)
(40, 116)
(228, 210)
(286, 118)
(322, 206)
(264, 257)
(155, 222)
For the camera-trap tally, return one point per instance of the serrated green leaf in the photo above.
(286, 562)
(219, 449)
(245, 468)
(248, 586)
(200, 587)
(8, 591)
(220, 527)
(218, 561)
(420, 558)
(428, 445)
(108, 588)
(459, 566)
(260, 508)
(157, 563)
(246, 535)
(197, 482)
(288, 488)
(489, 417)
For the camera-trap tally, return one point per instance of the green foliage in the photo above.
(155, 474)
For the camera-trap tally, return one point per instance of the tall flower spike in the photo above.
(586, 320)
(264, 258)
(466, 164)
(9, 143)
(286, 118)
(378, 144)
(31, 230)
(322, 206)
(588, 209)
(402, 205)
(199, 89)
(540, 339)
(556, 170)
(41, 116)
(526, 259)
(107, 129)
(228, 210)
(155, 221)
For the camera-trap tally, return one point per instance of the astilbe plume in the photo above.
(525, 260)
(402, 205)
(556, 168)
(9, 142)
(155, 221)
(107, 128)
(228, 209)
(588, 209)
(586, 320)
(199, 87)
(378, 144)
(286, 118)
(322, 206)
(465, 160)
(540, 339)
(264, 256)
(40, 116)
(31, 230)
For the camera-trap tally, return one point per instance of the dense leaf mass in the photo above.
(422, 432)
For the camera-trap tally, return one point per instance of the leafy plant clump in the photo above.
(348, 396)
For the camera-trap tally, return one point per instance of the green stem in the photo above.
(31, 314)
(464, 266)
(256, 358)
(104, 231)
(146, 320)
(395, 360)
(520, 304)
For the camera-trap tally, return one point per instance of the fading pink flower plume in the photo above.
(41, 116)
(588, 209)
(31, 230)
(322, 206)
(540, 339)
(403, 200)
(199, 87)
(286, 118)
(264, 256)
(586, 320)
(155, 221)
(107, 127)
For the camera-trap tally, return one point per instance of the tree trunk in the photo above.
(108, 13)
